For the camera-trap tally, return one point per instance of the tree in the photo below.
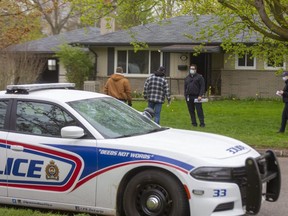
(127, 13)
(265, 20)
(269, 18)
(20, 68)
(59, 14)
(77, 63)
(17, 23)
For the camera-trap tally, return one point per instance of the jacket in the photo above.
(118, 87)
(194, 85)
(285, 92)
(156, 89)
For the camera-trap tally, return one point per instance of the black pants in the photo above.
(284, 118)
(191, 107)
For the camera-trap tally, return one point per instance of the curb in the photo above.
(278, 152)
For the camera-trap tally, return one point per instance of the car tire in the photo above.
(155, 193)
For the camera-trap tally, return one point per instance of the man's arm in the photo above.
(202, 86)
(127, 89)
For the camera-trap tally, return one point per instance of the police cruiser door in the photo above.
(44, 168)
(3, 135)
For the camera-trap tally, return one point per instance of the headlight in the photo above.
(212, 173)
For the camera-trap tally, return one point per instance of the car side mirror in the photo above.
(148, 112)
(72, 132)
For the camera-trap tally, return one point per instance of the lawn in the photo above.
(254, 122)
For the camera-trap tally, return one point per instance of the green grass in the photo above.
(17, 211)
(254, 122)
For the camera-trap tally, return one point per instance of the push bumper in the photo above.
(260, 171)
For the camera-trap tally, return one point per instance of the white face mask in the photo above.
(285, 78)
(192, 71)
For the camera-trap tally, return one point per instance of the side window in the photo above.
(246, 61)
(3, 110)
(41, 118)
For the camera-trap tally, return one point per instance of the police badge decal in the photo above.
(52, 171)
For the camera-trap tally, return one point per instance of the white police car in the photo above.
(87, 152)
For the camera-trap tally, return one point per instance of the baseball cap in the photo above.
(161, 69)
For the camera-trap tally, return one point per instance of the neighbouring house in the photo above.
(170, 46)
(46, 48)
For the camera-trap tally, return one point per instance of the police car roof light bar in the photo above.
(26, 88)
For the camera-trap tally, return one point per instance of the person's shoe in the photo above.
(194, 125)
(202, 125)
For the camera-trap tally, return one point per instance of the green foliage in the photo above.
(240, 20)
(77, 63)
(254, 122)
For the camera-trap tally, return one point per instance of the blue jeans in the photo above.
(157, 110)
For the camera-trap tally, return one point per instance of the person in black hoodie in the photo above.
(194, 87)
(284, 94)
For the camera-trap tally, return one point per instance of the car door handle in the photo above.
(17, 148)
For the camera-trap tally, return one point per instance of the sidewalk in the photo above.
(278, 152)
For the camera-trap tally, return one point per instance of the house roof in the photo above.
(175, 30)
(50, 44)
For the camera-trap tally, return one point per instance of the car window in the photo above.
(113, 118)
(3, 110)
(41, 118)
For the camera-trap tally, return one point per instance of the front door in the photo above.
(203, 62)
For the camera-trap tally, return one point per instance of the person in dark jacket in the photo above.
(194, 89)
(156, 89)
(284, 94)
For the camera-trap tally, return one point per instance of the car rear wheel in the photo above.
(155, 193)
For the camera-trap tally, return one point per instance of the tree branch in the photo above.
(251, 23)
(282, 32)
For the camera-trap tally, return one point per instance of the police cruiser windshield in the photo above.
(113, 118)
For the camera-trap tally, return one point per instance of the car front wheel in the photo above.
(155, 193)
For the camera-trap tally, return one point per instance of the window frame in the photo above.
(267, 67)
(245, 67)
(127, 49)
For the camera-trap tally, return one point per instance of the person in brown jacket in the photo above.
(118, 87)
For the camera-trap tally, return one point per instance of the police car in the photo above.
(66, 149)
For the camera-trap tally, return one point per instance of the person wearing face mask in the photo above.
(284, 94)
(194, 88)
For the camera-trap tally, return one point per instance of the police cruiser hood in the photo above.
(195, 144)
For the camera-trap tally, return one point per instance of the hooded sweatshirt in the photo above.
(119, 87)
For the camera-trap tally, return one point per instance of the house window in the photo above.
(271, 65)
(246, 61)
(51, 64)
(140, 62)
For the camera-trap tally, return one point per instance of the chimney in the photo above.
(107, 25)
